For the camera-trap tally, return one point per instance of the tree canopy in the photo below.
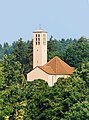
(68, 99)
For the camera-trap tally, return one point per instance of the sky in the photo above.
(60, 18)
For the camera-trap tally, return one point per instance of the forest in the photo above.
(68, 99)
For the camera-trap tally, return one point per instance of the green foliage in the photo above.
(79, 111)
(23, 53)
(68, 99)
(12, 70)
(74, 52)
(5, 49)
(11, 87)
(84, 73)
(77, 53)
(54, 48)
(34, 92)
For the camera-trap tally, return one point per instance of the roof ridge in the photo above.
(53, 70)
(57, 66)
(47, 64)
(42, 68)
(64, 66)
(54, 64)
(55, 58)
(49, 61)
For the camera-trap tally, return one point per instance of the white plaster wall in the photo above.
(53, 78)
(39, 51)
(50, 80)
(37, 73)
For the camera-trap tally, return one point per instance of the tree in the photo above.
(77, 53)
(35, 91)
(53, 48)
(5, 49)
(23, 54)
(67, 99)
(0, 47)
(79, 111)
(84, 73)
(11, 87)
(5, 45)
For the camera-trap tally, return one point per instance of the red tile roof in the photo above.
(57, 66)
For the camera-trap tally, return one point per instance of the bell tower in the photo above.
(39, 47)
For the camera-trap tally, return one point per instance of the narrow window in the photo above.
(38, 35)
(44, 39)
(38, 41)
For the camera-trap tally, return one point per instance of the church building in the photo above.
(51, 71)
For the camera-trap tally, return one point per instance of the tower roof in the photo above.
(57, 66)
(39, 30)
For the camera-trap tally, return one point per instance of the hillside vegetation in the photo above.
(68, 99)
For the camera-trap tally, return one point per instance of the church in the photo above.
(48, 71)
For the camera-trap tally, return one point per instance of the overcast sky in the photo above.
(60, 18)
